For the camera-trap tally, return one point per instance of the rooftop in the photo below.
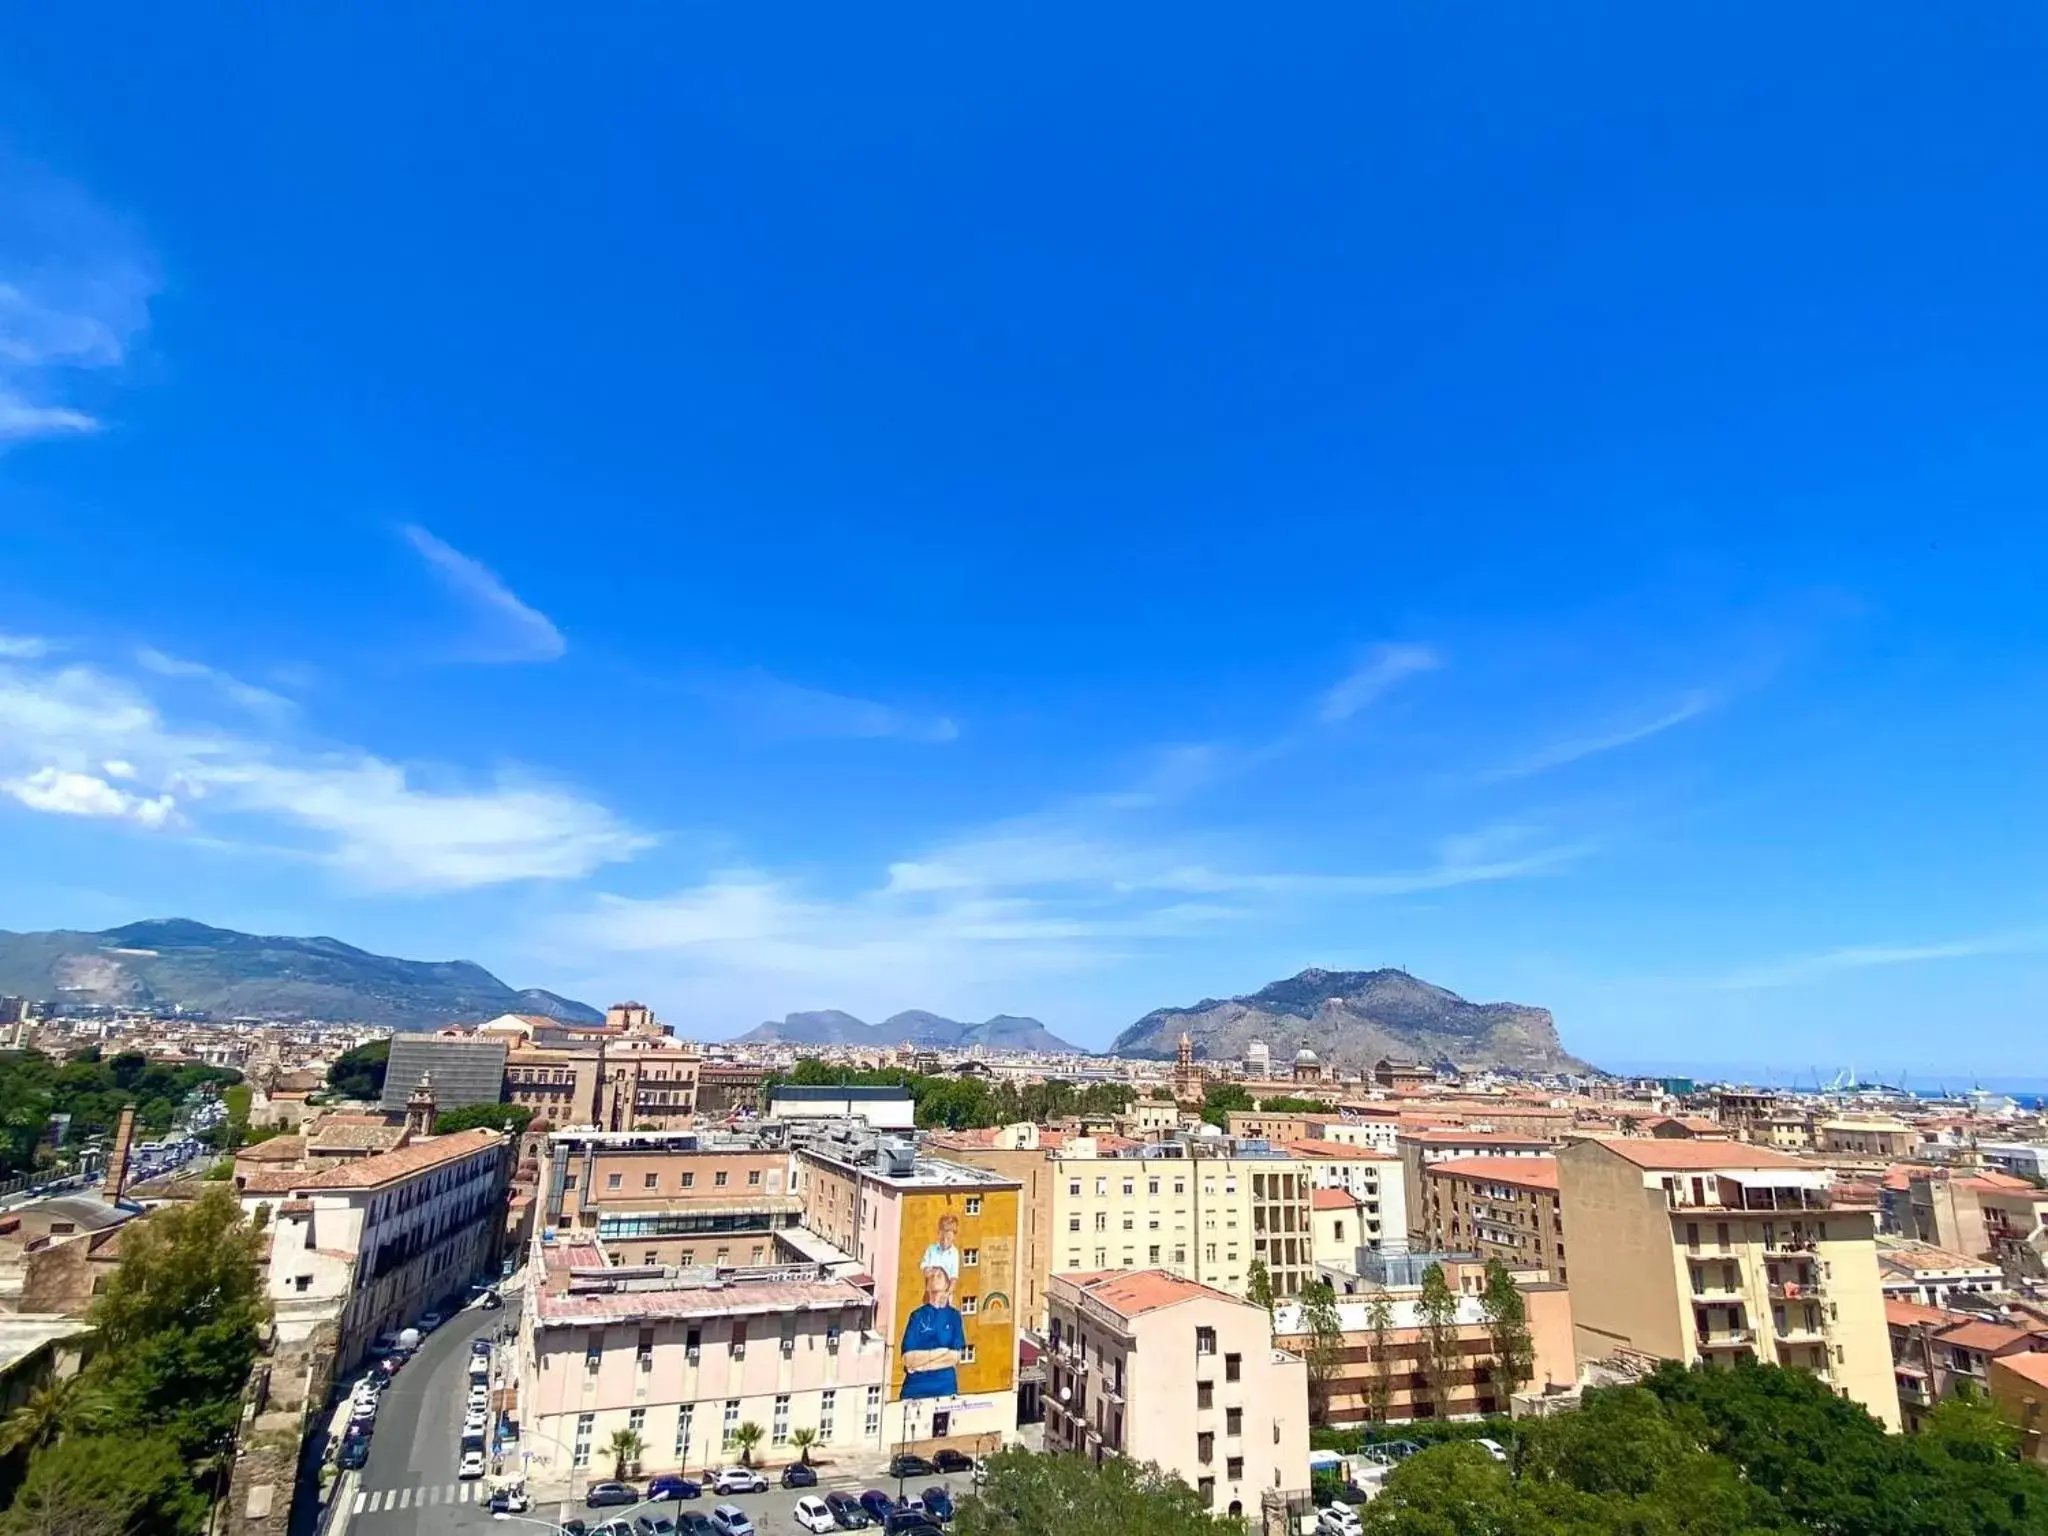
(1451, 1136)
(853, 1093)
(2032, 1367)
(1910, 1314)
(1696, 1156)
(1987, 1337)
(1310, 1146)
(383, 1167)
(737, 1297)
(1925, 1256)
(1133, 1292)
(1334, 1200)
(1527, 1172)
(23, 1333)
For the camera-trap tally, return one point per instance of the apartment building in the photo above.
(1023, 1153)
(1358, 1125)
(1714, 1251)
(673, 1198)
(647, 1082)
(684, 1357)
(942, 1241)
(559, 1085)
(385, 1237)
(2019, 1386)
(1910, 1271)
(1154, 1367)
(1983, 1212)
(1376, 1179)
(1421, 1146)
(1173, 1206)
(1866, 1138)
(1395, 1363)
(1502, 1208)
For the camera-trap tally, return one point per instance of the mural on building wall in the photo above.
(956, 1294)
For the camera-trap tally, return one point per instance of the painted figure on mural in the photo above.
(945, 1253)
(934, 1340)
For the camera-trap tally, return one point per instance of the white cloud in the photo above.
(23, 647)
(506, 628)
(778, 707)
(1382, 668)
(1689, 707)
(62, 793)
(1801, 969)
(68, 733)
(248, 695)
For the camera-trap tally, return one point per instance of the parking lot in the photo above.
(773, 1513)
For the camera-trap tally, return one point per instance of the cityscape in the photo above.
(1129, 771)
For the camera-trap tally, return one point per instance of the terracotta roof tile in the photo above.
(2032, 1366)
(1528, 1172)
(1696, 1156)
(1990, 1338)
(1131, 1292)
(1451, 1136)
(1334, 1200)
(1911, 1314)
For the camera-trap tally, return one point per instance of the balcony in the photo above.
(1789, 1289)
(1725, 1338)
(1799, 1331)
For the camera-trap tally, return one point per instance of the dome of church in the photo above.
(1304, 1057)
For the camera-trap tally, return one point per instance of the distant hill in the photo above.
(1353, 1018)
(173, 962)
(1005, 1032)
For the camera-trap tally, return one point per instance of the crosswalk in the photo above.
(370, 1503)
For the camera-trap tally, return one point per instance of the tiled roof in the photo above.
(353, 1138)
(1927, 1256)
(1132, 1292)
(1450, 1136)
(1528, 1172)
(1696, 1156)
(2032, 1366)
(1310, 1146)
(278, 1149)
(1910, 1314)
(1334, 1200)
(1987, 1337)
(381, 1168)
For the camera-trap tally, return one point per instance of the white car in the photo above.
(479, 1396)
(472, 1465)
(812, 1515)
(473, 1424)
(739, 1480)
(1339, 1519)
(1492, 1448)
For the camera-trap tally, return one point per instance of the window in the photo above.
(1205, 1447)
(1233, 1469)
(611, 1181)
(1152, 1254)
(968, 1305)
(644, 1349)
(636, 1421)
(593, 1350)
(1180, 1255)
(967, 1354)
(974, 1205)
(1233, 1422)
(687, 1256)
(778, 1431)
(1209, 1252)
(1101, 1221)
(1180, 1186)
(1206, 1489)
(689, 1179)
(650, 1257)
(683, 1416)
(1339, 1232)
(718, 1179)
(828, 1407)
(650, 1181)
(1130, 1222)
(568, 1181)
(1152, 1186)
(1233, 1367)
(1101, 1187)
(1129, 1186)
(1205, 1394)
(580, 1452)
(732, 1417)
(873, 1423)
(1205, 1342)
(969, 1257)
(1074, 1187)
(739, 1339)
(1074, 1223)
(693, 1343)
(754, 1177)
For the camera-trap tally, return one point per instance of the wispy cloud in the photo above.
(73, 297)
(232, 688)
(777, 707)
(78, 741)
(1575, 749)
(23, 647)
(506, 629)
(1801, 969)
(1382, 667)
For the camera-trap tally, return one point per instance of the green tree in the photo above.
(1507, 1323)
(359, 1073)
(238, 1099)
(625, 1449)
(1289, 1104)
(1438, 1308)
(105, 1485)
(1322, 1347)
(1258, 1287)
(1451, 1490)
(803, 1439)
(1379, 1386)
(49, 1409)
(512, 1119)
(1038, 1495)
(1219, 1099)
(745, 1437)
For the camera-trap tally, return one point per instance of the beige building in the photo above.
(1866, 1138)
(1022, 1152)
(559, 1086)
(1502, 1208)
(1154, 1367)
(2019, 1385)
(656, 1198)
(1714, 1251)
(1205, 1218)
(1378, 1180)
(1983, 1213)
(1433, 1144)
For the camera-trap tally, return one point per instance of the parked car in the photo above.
(950, 1460)
(363, 1408)
(1492, 1448)
(575, 1528)
(355, 1453)
(600, 1495)
(731, 1520)
(904, 1520)
(878, 1505)
(472, 1465)
(846, 1511)
(739, 1480)
(653, 1525)
(691, 1523)
(938, 1504)
(671, 1485)
(472, 1424)
(1337, 1520)
(429, 1321)
(813, 1516)
(799, 1474)
(509, 1501)
(493, 1301)
(614, 1528)
(385, 1343)
(480, 1346)
(906, 1465)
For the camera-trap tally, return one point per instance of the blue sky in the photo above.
(1060, 512)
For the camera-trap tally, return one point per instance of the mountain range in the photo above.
(1353, 1018)
(1004, 1032)
(173, 962)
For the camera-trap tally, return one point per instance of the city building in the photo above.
(2019, 1386)
(1396, 1074)
(684, 1356)
(1022, 1152)
(1502, 1208)
(1866, 1138)
(730, 1087)
(1421, 1146)
(384, 1237)
(558, 1083)
(1716, 1250)
(1983, 1212)
(1153, 1367)
(680, 1198)
(1394, 1363)
(881, 1108)
(1910, 1271)
(463, 1070)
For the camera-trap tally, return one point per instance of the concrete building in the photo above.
(730, 1087)
(1377, 1180)
(1397, 1363)
(1712, 1251)
(683, 1357)
(558, 1084)
(462, 1070)
(1910, 1271)
(56, 1254)
(1153, 1367)
(677, 1198)
(1866, 1138)
(1502, 1208)
(1023, 1153)
(880, 1108)
(2019, 1386)
(1422, 1146)
(1983, 1212)
(386, 1237)
(1399, 1075)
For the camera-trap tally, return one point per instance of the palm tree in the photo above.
(44, 1414)
(803, 1440)
(746, 1437)
(624, 1447)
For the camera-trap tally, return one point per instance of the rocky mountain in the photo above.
(1004, 1032)
(173, 962)
(1353, 1018)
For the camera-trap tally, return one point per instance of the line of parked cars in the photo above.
(476, 1413)
(928, 1511)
